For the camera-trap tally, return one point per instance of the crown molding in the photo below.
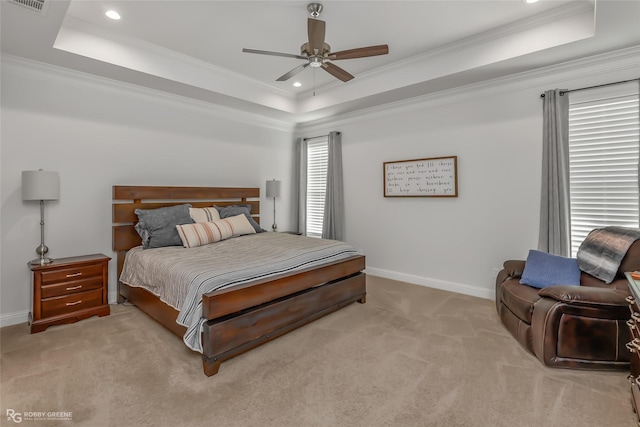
(598, 66)
(219, 111)
(180, 60)
(544, 18)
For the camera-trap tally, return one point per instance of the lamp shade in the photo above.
(40, 185)
(273, 188)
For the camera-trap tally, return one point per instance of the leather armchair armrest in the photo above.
(513, 268)
(585, 295)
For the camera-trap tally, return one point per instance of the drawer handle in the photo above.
(74, 274)
(74, 303)
(80, 287)
(630, 299)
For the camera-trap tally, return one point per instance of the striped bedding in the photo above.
(180, 276)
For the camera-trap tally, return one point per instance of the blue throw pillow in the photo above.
(543, 269)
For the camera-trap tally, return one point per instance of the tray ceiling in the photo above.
(194, 48)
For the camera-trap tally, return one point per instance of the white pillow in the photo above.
(239, 224)
(202, 233)
(204, 214)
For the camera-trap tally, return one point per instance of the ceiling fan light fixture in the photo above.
(315, 61)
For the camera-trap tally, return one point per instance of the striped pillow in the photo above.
(202, 233)
(204, 214)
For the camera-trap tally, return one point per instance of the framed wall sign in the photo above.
(431, 177)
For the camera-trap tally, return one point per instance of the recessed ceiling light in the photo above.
(113, 14)
(297, 84)
(531, 1)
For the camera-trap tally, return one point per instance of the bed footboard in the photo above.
(227, 301)
(231, 335)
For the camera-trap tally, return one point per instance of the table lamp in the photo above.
(41, 185)
(273, 190)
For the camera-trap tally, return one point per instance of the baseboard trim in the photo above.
(113, 298)
(459, 288)
(14, 318)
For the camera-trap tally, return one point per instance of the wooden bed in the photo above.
(246, 316)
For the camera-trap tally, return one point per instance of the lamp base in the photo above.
(42, 250)
(41, 261)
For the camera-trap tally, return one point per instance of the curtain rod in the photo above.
(314, 137)
(562, 92)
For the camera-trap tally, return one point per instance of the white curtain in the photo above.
(555, 211)
(333, 224)
(301, 184)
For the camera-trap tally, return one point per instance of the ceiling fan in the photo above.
(317, 53)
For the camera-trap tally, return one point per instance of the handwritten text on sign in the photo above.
(434, 177)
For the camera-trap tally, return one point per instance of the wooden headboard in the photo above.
(128, 198)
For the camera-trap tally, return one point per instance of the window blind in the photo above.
(317, 158)
(603, 159)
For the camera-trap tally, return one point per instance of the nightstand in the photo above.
(68, 290)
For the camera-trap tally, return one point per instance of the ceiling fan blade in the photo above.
(337, 72)
(316, 29)
(292, 73)
(361, 52)
(268, 52)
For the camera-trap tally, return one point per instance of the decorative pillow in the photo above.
(234, 210)
(202, 233)
(543, 269)
(204, 214)
(157, 227)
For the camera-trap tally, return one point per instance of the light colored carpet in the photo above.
(410, 356)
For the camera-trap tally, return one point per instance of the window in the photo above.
(317, 157)
(603, 159)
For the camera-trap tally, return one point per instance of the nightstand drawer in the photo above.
(73, 273)
(71, 287)
(70, 303)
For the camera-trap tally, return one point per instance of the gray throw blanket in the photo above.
(603, 249)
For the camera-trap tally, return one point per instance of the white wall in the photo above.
(495, 129)
(96, 134)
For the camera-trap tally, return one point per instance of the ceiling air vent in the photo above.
(38, 6)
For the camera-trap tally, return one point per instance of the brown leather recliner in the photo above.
(576, 327)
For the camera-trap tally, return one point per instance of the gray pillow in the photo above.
(234, 210)
(157, 227)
